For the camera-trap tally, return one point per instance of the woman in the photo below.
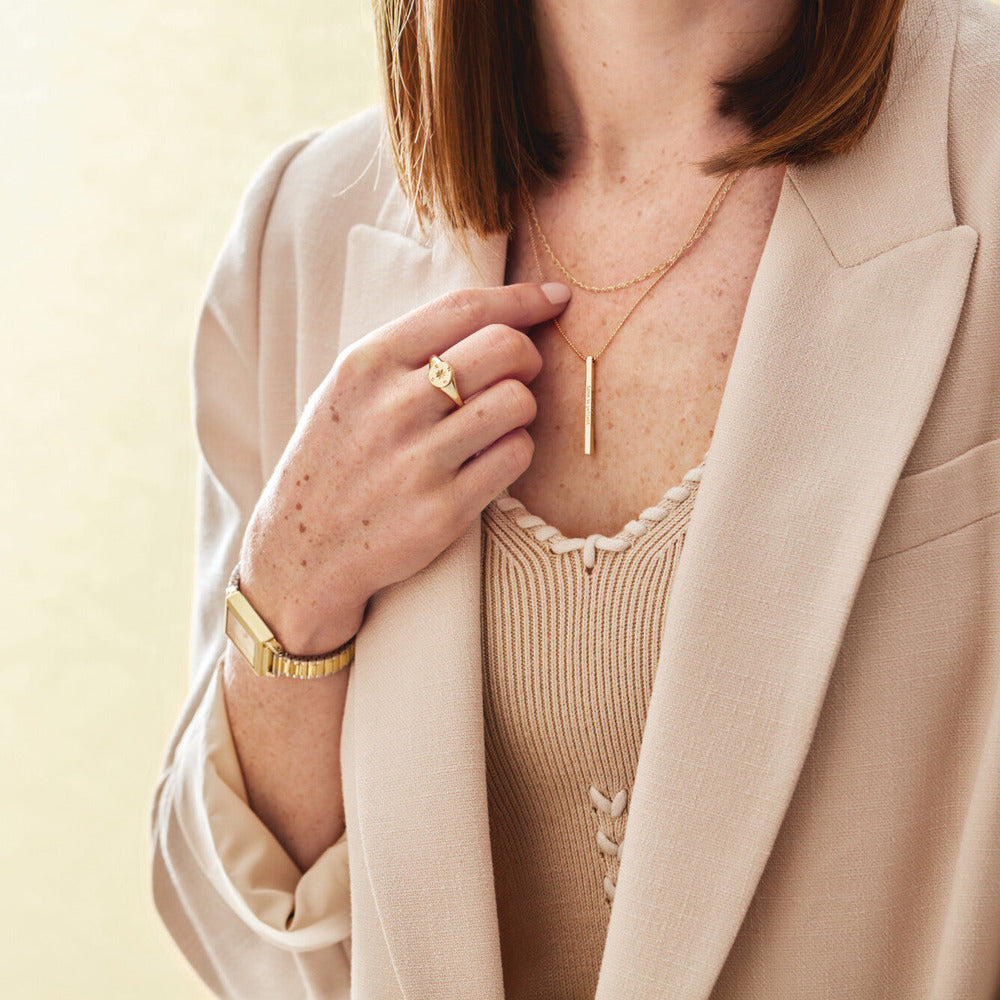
(804, 277)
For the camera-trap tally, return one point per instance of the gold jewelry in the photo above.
(442, 375)
(590, 360)
(720, 194)
(263, 652)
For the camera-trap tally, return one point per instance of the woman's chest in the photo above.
(662, 359)
(656, 389)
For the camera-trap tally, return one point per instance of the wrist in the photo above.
(303, 626)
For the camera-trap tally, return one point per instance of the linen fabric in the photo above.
(815, 810)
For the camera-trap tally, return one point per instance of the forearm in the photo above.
(287, 736)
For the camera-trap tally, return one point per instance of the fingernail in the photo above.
(556, 292)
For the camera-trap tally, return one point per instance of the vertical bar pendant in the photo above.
(588, 410)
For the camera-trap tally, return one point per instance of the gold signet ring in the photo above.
(442, 375)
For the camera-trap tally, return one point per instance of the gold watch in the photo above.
(257, 644)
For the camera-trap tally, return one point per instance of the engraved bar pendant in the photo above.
(588, 410)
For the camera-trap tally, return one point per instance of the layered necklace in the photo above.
(660, 271)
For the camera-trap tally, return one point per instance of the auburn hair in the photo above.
(467, 118)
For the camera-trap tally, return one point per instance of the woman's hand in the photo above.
(384, 471)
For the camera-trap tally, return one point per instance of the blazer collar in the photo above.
(849, 321)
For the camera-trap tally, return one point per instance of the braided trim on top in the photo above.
(559, 543)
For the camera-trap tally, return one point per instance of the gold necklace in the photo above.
(590, 360)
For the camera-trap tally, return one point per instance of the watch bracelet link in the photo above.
(254, 639)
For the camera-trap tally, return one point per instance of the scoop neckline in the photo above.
(675, 495)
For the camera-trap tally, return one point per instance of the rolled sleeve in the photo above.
(249, 922)
(247, 865)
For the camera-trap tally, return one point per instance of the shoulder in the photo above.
(974, 98)
(974, 119)
(975, 78)
(331, 179)
(306, 193)
(978, 40)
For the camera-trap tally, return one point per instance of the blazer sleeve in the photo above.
(246, 918)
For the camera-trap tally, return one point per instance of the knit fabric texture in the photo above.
(571, 637)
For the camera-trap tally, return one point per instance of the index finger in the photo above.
(441, 323)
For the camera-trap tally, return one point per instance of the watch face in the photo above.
(241, 637)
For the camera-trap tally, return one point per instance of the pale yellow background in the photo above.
(128, 131)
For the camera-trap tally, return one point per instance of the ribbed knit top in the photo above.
(571, 637)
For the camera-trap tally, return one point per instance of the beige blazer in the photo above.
(816, 809)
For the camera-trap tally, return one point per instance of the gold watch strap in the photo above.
(256, 642)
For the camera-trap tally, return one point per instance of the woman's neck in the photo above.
(630, 82)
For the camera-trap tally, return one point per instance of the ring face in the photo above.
(441, 373)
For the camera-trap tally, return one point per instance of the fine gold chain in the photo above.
(590, 360)
(720, 194)
(717, 199)
(583, 357)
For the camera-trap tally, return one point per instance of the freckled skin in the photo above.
(287, 736)
(660, 387)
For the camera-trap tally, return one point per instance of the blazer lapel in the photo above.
(418, 739)
(848, 325)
